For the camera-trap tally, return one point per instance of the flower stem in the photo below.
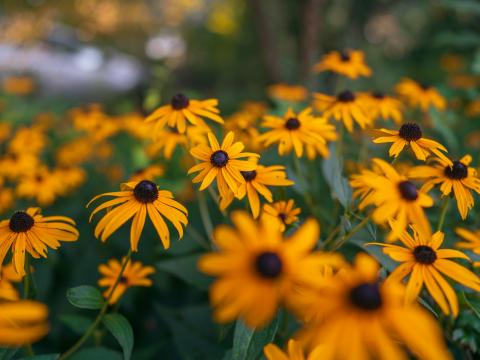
(100, 315)
(443, 213)
(26, 294)
(352, 232)
(205, 214)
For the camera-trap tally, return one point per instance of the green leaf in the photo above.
(186, 269)
(248, 343)
(85, 297)
(120, 328)
(7, 353)
(77, 323)
(332, 169)
(96, 353)
(42, 357)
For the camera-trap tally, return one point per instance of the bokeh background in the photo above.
(57, 58)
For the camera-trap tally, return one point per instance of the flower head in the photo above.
(380, 105)
(8, 277)
(410, 135)
(138, 199)
(470, 241)
(135, 274)
(29, 231)
(290, 93)
(353, 314)
(294, 352)
(257, 269)
(283, 212)
(452, 175)
(346, 107)
(422, 258)
(296, 131)
(420, 95)
(350, 63)
(221, 163)
(182, 110)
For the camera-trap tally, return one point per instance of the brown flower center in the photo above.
(219, 158)
(366, 296)
(292, 124)
(268, 265)
(179, 101)
(20, 222)
(457, 171)
(346, 96)
(424, 254)
(146, 191)
(408, 191)
(410, 132)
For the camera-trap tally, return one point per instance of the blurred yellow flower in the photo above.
(284, 212)
(8, 275)
(18, 85)
(286, 92)
(349, 63)
(420, 95)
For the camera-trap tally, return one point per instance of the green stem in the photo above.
(352, 232)
(443, 213)
(302, 184)
(205, 214)
(100, 315)
(26, 295)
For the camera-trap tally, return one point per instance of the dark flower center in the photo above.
(146, 191)
(292, 124)
(457, 171)
(21, 222)
(424, 254)
(408, 190)
(249, 175)
(179, 102)
(425, 86)
(346, 96)
(344, 56)
(283, 217)
(366, 296)
(219, 158)
(378, 95)
(268, 265)
(123, 280)
(410, 132)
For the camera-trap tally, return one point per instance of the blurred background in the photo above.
(60, 59)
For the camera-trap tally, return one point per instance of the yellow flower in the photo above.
(284, 212)
(356, 316)
(27, 140)
(420, 95)
(5, 131)
(167, 140)
(42, 185)
(244, 125)
(256, 182)
(294, 352)
(135, 125)
(182, 109)
(31, 232)
(257, 269)
(70, 178)
(471, 241)
(378, 105)
(290, 93)
(18, 85)
(148, 173)
(95, 122)
(422, 258)
(409, 135)
(7, 198)
(14, 166)
(294, 131)
(221, 163)
(137, 199)
(9, 276)
(456, 175)
(346, 107)
(22, 322)
(75, 152)
(350, 63)
(135, 274)
(394, 196)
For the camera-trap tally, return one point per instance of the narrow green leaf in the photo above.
(248, 343)
(96, 353)
(42, 357)
(120, 328)
(77, 323)
(85, 297)
(185, 268)
(332, 169)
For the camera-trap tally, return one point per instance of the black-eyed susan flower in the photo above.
(42, 185)
(470, 241)
(294, 131)
(69, 177)
(22, 322)
(349, 63)
(409, 135)
(8, 276)
(15, 166)
(257, 182)
(294, 352)
(134, 274)
(257, 269)
(139, 200)
(182, 110)
(456, 176)
(19, 85)
(346, 107)
(290, 93)
(30, 140)
(168, 139)
(355, 315)
(7, 198)
(378, 105)
(426, 263)
(29, 231)
(420, 95)
(284, 212)
(221, 163)
(244, 125)
(394, 197)
(95, 122)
